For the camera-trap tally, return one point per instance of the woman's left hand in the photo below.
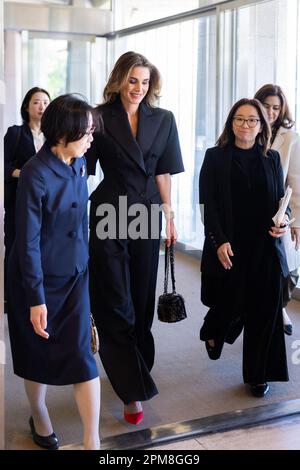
(295, 234)
(171, 233)
(277, 232)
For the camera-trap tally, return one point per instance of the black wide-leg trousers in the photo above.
(122, 291)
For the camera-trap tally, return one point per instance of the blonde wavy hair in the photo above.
(121, 72)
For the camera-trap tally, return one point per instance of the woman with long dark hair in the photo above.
(20, 144)
(243, 259)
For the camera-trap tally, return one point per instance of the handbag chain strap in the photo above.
(169, 258)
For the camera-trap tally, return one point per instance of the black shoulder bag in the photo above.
(171, 307)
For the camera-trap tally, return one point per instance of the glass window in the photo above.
(261, 45)
(60, 66)
(133, 12)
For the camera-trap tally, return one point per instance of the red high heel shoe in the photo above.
(134, 418)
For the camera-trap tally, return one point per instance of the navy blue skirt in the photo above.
(65, 357)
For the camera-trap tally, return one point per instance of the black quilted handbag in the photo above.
(171, 307)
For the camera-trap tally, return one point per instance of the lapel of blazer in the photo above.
(270, 172)
(117, 125)
(29, 137)
(225, 181)
(149, 124)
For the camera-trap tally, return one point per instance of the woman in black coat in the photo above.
(241, 184)
(138, 152)
(20, 144)
(48, 293)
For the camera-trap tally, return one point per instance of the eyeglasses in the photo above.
(251, 122)
(91, 131)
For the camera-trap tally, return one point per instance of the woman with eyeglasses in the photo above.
(48, 293)
(287, 142)
(243, 259)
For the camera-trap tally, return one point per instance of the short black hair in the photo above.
(26, 101)
(67, 118)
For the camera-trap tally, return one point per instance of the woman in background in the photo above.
(20, 144)
(287, 142)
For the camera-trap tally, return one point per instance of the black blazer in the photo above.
(215, 196)
(15, 156)
(18, 149)
(130, 165)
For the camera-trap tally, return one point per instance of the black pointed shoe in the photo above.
(259, 390)
(288, 329)
(47, 442)
(214, 352)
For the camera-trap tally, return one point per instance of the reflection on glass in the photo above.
(133, 12)
(60, 66)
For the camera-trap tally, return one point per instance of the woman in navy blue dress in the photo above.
(48, 296)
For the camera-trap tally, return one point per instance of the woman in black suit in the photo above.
(138, 152)
(241, 183)
(20, 144)
(48, 292)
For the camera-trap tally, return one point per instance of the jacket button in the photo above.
(72, 234)
(143, 194)
(74, 205)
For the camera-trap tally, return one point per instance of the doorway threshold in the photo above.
(170, 433)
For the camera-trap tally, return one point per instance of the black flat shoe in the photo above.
(259, 390)
(214, 352)
(288, 329)
(47, 442)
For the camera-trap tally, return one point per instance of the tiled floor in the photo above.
(282, 434)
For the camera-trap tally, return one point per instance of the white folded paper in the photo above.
(283, 204)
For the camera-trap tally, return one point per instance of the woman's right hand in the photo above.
(223, 252)
(38, 318)
(16, 173)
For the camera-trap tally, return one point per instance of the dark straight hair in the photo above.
(67, 118)
(285, 117)
(26, 101)
(263, 138)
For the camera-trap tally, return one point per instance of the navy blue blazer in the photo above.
(130, 165)
(51, 221)
(215, 195)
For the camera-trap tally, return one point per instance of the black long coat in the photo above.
(249, 295)
(123, 270)
(215, 196)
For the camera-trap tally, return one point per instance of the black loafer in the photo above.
(214, 352)
(288, 329)
(47, 442)
(259, 390)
